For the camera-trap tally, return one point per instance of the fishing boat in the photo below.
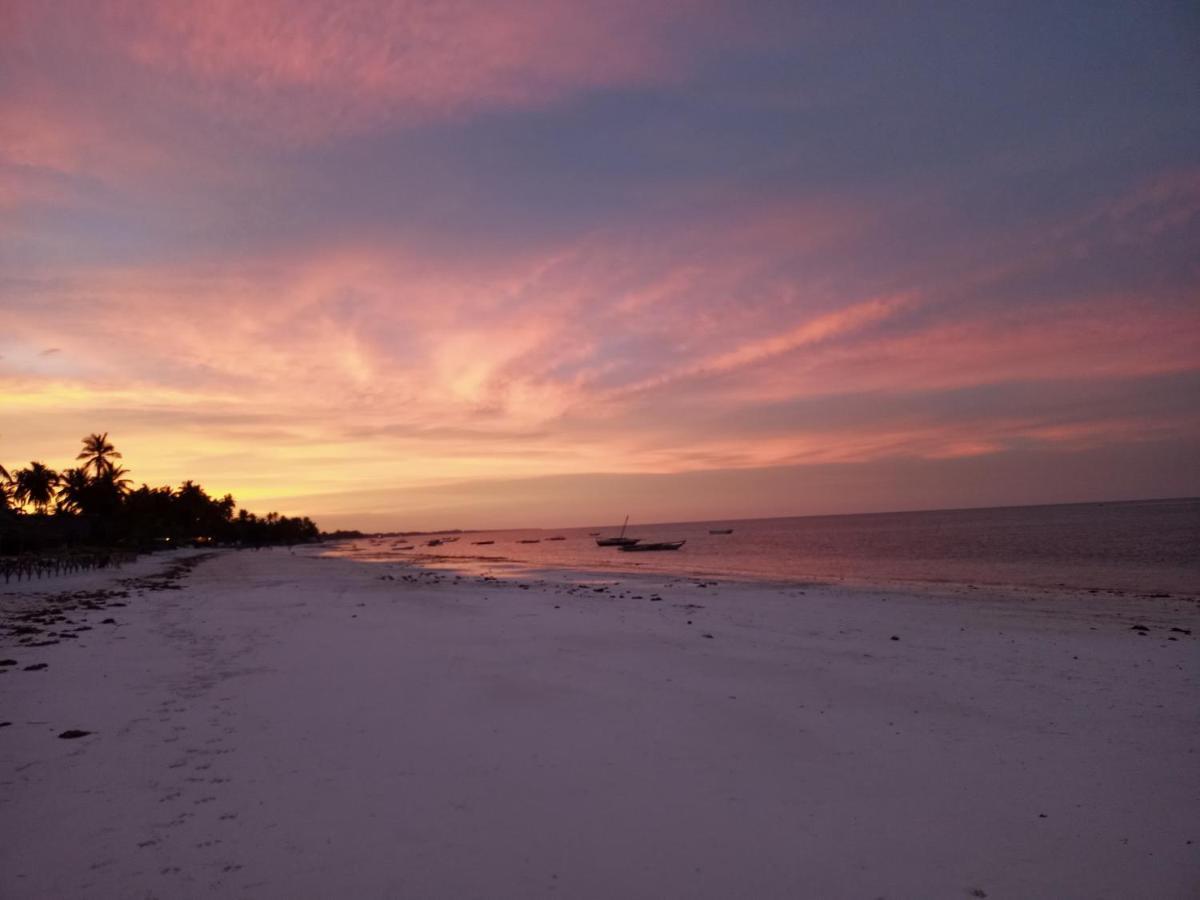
(720, 531)
(556, 539)
(530, 541)
(481, 543)
(657, 545)
(618, 541)
(434, 543)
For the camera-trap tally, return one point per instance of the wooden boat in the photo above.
(556, 539)
(434, 543)
(481, 543)
(530, 541)
(657, 545)
(618, 541)
(720, 531)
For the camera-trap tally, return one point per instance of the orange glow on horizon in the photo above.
(303, 254)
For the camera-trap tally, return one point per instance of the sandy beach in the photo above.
(278, 725)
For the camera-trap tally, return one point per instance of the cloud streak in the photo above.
(303, 250)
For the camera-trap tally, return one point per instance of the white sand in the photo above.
(294, 727)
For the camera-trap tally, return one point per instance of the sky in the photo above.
(428, 263)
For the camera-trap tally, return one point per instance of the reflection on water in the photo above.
(1147, 547)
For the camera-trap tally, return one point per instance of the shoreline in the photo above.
(517, 570)
(291, 726)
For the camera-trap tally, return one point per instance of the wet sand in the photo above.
(278, 725)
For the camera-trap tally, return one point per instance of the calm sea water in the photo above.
(1145, 547)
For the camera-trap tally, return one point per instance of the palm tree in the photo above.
(73, 489)
(98, 453)
(114, 479)
(35, 485)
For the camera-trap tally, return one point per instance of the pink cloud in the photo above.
(307, 68)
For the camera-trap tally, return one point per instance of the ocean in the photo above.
(1147, 547)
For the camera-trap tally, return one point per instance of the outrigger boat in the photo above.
(659, 545)
(720, 531)
(618, 541)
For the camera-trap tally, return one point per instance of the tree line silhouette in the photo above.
(94, 505)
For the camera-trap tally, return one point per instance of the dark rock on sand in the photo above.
(1182, 630)
(108, 621)
(37, 667)
(71, 733)
(895, 637)
(1142, 628)
(8, 662)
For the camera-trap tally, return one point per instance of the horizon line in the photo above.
(882, 512)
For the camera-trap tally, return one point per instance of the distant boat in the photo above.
(434, 543)
(556, 539)
(480, 543)
(659, 545)
(618, 541)
(409, 547)
(449, 540)
(720, 531)
(530, 541)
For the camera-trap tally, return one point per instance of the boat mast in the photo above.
(623, 526)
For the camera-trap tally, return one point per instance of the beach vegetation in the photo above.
(94, 504)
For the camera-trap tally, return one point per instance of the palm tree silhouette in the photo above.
(35, 485)
(73, 485)
(98, 453)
